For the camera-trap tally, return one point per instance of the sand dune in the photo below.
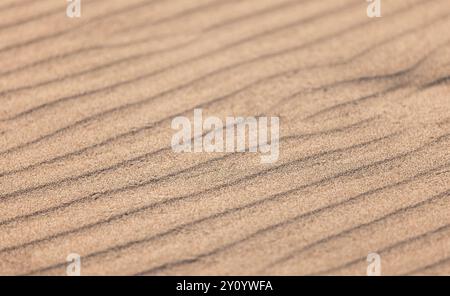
(87, 167)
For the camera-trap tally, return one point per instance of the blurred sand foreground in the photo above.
(86, 165)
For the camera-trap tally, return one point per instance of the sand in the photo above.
(86, 164)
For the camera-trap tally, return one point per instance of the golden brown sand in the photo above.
(86, 164)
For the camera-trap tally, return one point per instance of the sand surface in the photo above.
(86, 164)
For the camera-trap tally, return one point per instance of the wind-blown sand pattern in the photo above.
(86, 165)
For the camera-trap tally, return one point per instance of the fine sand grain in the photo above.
(86, 165)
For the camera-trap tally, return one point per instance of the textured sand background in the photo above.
(85, 159)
